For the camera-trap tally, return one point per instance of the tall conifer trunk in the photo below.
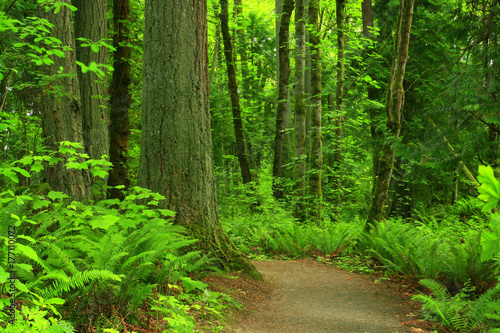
(394, 105)
(176, 148)
(338, 119)
(300, 110)
(234, 94)
(120, 99)
(283, 111)
(316, 156)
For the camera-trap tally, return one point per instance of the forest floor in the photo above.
(303, 296)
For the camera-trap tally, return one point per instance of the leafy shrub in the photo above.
(104, 259)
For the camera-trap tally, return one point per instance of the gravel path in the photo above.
(311, 298)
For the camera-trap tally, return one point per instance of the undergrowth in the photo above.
(110, 265)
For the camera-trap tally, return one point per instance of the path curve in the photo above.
(311, 298)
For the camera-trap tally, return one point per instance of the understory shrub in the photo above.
(100, 264)
(418, 251)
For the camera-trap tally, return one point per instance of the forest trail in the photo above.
(308, 297)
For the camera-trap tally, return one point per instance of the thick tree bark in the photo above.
(120, 99)
(394, 105)
(300, 111)
(176, 148)
(91, 23)
(338, 120)
(283, 111)
(234, 94)
(60, 108)
(316, 156)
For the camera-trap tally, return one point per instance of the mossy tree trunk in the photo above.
(300, 111)
(394, 105)
(338, 119)
(61, 112)
(91, 23)
(176, 148)
(316, 156)
(283, 111)
(120, 99)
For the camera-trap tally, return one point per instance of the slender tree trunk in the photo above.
(234, 94)
(91, 23)
(465, 171)
(395, 97)
(60, 108)
(374, 93)
(283, 112)
(278, 6)
(300, 110)
(338, 120)
(120, 99)
(241, 50)
(176, 148)
(316, 156)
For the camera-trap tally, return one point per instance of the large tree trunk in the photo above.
(316, 157)
(120, 99)
(300, 111)
(338, 120)
(91, 23)
(283, 112)
(60, 108)
(176, 148)
(395, 97)
(234, 94)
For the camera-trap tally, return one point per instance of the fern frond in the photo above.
(438, 289)
(433, 305)
(481, 305)
(78, 280)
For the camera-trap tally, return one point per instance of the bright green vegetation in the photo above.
(364, 118)
(111, 264)
(453, 251)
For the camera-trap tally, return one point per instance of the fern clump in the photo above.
(459, 312)
(105, 260)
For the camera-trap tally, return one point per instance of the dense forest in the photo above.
(146, 144)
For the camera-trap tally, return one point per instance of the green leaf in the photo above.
(99, 173)
(95, 48)
(59, 301)
(57, 195)
(28, 252)
(166, 212)
(9, 173)
(48, 61)
(3, 275)
(41, 204)
(36, 167)
(489, 191)
(58, 53)
(76, 165)
(104, 222)
(22, 171)
(191, 285)
(58, 6)
(21, 286)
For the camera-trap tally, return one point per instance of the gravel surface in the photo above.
(310, 298)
